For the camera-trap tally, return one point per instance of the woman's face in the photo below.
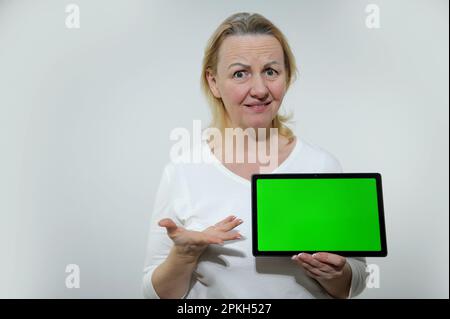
(250, 79)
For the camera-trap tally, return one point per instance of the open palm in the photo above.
(192, 242)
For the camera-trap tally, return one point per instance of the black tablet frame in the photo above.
(376, 176)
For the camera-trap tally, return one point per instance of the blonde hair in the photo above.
(244, 23)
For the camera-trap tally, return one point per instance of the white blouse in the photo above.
(198, 195)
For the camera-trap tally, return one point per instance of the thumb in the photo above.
(169, 224)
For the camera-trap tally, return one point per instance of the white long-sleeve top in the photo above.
(198, 195)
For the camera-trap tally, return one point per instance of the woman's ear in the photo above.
(212, 83)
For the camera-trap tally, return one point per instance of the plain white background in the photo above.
(85, 117)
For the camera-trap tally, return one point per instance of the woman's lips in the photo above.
(258, 108)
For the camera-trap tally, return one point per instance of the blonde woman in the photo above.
(200, 234)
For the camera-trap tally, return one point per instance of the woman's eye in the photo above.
(239, 74)
(271, 72)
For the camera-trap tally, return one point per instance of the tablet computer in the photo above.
(340, 213)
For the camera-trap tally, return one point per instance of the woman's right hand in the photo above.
(189, 243)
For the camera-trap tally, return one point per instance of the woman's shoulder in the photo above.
(192, 162)
(173, 169)
(323, 159)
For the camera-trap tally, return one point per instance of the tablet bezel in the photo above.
(376, 176)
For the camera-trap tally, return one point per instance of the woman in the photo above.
(198, 248)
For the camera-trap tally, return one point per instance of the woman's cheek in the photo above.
(232, 94)
(239, 93)
(278, 89)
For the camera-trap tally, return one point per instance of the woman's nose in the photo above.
(258, 88)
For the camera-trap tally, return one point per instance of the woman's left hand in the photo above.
(322, 266)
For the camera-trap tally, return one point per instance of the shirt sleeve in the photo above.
(159, 243)
(359, 275)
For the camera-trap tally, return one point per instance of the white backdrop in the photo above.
(85, 117)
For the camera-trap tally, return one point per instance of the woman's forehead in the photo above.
(246, 48)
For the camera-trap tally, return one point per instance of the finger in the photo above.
(213, 240)
(169, 224)
(310, 274)
(200, 238)
(230, 225)
(231, 235)
(310, 260)
(331, 259)
(315, 271)
(226, 220)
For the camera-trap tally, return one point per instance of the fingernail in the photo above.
(299, 255)
(314, 255)
(293, 257)
(240, 221)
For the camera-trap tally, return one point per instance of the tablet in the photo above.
(340, 213)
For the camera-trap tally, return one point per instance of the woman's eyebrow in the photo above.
(239, 64)
(248, 66)
(270, 63)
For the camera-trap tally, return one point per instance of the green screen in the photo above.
(320, 214)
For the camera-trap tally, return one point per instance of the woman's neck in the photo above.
(238, 146)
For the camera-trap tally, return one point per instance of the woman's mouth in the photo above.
(258, 108)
